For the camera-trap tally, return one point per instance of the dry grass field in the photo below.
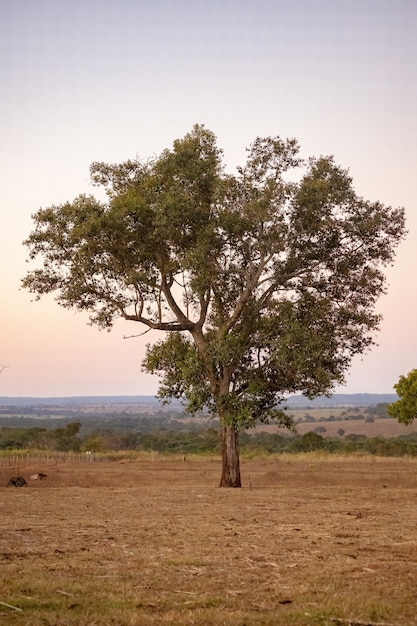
(309, 540)
(387, 428)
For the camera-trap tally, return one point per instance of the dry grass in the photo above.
(387, 428)
(317, 540)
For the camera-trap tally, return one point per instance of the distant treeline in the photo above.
(367, 414)
(296, 401)
(51, 417)
(201, 441)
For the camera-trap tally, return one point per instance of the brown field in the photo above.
(387, 428)
(309, 540)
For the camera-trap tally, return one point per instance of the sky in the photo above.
(110, 80)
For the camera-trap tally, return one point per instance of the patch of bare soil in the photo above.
(306, 541)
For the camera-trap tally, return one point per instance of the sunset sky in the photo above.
(109, 80)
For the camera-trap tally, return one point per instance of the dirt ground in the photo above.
(307, 540)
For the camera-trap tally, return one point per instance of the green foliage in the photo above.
(379, 410)
(20, 438)
(173, 437)
(405, 409)
(308, 442)
(184, 372)
(182, 443)
(64, 439)
(264, 286)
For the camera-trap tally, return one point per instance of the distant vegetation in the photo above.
(64, 430)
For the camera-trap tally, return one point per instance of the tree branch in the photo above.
(183, 320)
(174, 326)
(204, 305)
(140, 334)
(251, 284)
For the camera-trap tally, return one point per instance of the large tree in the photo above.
(262, 286)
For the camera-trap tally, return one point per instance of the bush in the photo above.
(306, 443)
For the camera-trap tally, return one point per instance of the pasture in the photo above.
(309, 540)
(387, 428)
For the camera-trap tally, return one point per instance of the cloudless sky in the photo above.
(109, 80)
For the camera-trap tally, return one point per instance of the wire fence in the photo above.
(46, 458)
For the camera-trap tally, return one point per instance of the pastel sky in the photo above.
(109, 80)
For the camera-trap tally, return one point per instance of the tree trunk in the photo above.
(230, 457)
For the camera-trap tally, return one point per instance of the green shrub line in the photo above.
(195, 442)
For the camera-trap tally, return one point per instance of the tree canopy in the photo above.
(405, 409)
(265, 280)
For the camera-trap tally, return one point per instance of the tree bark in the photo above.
(230, 457)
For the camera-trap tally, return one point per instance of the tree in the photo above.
(308, 442)
(263, 286)
(405, 409)
(66, 438)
